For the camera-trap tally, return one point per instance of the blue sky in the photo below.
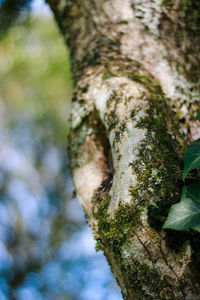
(40, 7)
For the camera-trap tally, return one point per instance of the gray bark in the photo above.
(135, 66)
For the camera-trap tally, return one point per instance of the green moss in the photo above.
(111, 118)
(141, 280)
(148, 283)
(149, 82)
(159, 181)
(107, 74)
(123, 22)
(120, 225)
(159, 172)
(114, 230)
(119, 134)
(167, 2)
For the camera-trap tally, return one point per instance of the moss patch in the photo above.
(114, 230)
(159, 164)
(148, 283)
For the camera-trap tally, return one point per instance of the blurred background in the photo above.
(46, 247)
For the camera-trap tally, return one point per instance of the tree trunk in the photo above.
(135, 66)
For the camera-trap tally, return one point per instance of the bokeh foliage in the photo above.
(46, 248)
(11, 11)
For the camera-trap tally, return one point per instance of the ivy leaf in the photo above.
(192, 158)
(183, 215)
(198, 115)
(197, 228)
(186, 213)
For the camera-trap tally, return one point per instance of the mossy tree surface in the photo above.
(135, 98)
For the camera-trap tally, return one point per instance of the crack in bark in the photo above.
(165, 259)
(148, 252)
(170, 267)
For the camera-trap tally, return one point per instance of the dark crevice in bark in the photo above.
(104, 141)
(146, 248)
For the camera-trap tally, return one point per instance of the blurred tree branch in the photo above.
(11, 11)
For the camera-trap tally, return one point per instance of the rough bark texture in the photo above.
(135, 66)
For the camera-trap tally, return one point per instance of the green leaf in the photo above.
(198, 115)
(192, 158)
(197, 228)
(186, 213)
(191, 192)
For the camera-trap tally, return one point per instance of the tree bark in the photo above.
(135, 65)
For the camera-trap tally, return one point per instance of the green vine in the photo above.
(186, 213)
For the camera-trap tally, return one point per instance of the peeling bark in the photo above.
(132, 115)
